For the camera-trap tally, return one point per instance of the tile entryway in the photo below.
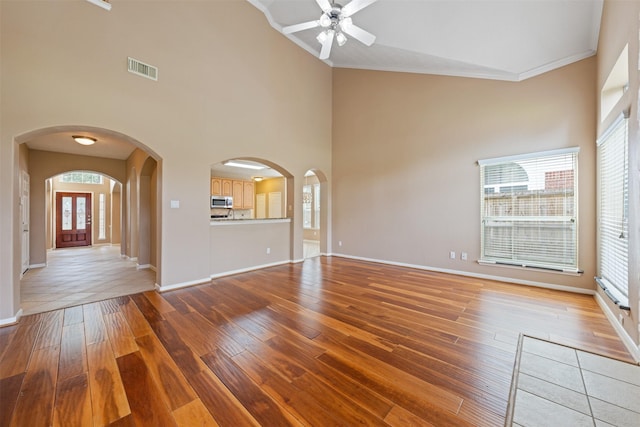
(559, 385)
(76, 276)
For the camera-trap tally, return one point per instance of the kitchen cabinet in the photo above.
(216, 186)
(237, 187)
(247, 194)
(227, 187)
(221, 187)
(243, 192)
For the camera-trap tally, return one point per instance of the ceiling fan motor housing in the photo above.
(332, 18)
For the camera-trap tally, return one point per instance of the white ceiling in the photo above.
(107, 145)
(496, 39)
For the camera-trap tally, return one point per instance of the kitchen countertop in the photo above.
(230, 221)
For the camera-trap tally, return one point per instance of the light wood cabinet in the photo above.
(227, 187)
(241, 191)
(221, 187)
(237, 194)
(247, 194)
(216, 186)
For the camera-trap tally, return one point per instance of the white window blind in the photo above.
(613, 201)
(529, 210)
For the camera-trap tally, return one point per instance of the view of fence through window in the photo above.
(529, 210)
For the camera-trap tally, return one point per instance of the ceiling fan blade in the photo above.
(355, 5)
(299, 27)
(326, 46)
(325, 5)
(359, 34)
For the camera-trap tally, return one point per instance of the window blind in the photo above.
(529, 210)
(613, 202)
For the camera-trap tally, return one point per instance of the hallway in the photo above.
(81, 275)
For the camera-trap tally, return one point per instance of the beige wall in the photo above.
(116, 213)
(217, 97)
(44, 165)
(620, 26)
(251, 240)
(406, 186)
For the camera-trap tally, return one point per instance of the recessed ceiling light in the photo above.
(243, 165)
(84, 140)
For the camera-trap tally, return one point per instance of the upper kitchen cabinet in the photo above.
(242, 191)
(221, 187)
(238, 198)
(248, 194)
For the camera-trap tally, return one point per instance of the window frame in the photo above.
(515, 251)
(608, 277)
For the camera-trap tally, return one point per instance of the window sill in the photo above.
(574, 272)
(622, 301)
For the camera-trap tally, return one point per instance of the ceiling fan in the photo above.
(336, 21)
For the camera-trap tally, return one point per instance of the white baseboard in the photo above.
(247, 269)
(143, 266)
(11, 320)
(40, 265)
(182, 285)
(476, 275)
(633, 348)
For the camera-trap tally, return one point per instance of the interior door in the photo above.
(73, 219)
(24, 219)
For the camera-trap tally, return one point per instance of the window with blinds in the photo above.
(613, 209)
(529, 210)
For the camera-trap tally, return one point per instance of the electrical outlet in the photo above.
(268, 251)
(463, 256)
(339, 242)
(452, 254)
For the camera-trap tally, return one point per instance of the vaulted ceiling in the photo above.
(497, 39)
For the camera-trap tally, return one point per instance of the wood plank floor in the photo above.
(326, 342)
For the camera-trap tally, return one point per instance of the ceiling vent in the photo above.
(142, 69)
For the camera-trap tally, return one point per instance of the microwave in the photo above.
(223, 202)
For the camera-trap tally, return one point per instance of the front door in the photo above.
(73, 219)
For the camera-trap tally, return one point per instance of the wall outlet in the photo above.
(463, 256)
(268, 251)
(339, 242)
(452, 254)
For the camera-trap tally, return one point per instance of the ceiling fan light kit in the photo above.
(336, 21)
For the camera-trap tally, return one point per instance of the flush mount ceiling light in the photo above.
(101, 3)
(84, 140)
(257, 178)
(243, 165)
(336, 21)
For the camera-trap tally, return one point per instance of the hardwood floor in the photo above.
(330, 341)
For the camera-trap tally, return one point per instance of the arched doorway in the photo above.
(314, 213)
(52, 151)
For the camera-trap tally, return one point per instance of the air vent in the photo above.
(142, 69)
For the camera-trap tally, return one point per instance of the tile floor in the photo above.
(556, 385)
(76, 276)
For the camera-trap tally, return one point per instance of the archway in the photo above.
(314, 210)
(50, 151)
(273, 237)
